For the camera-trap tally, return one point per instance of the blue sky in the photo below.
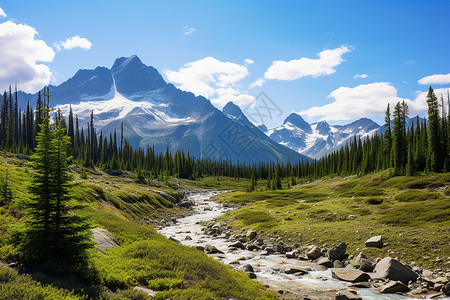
(219, 48)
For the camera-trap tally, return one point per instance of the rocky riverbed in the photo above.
(302, 271)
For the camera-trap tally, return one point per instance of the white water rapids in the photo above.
(317, 283)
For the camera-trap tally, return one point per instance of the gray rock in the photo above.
(292, 254)
(351, 217)
(252, 275)
(393, 287)
(375, 241)
(238, 245)
(212, 249)
(360, 285)
(188, 238)
(252, 247)
(347, 295)
(324, 261)
(392, 269)
(338, 264)
(247, 268)
(103, 238)
(366, 265)
(350, 275)
(337, 252)
(314, 252)
(251, 234)
(174, 240)
(148, 291)
(295, 270)
(446, 289)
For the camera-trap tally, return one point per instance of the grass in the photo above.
(144, 257)
(411, 213)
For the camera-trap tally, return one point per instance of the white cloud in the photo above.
(435, 79)
(360, 76)
(212, 79)
(2, 13)
(248, 61)
(257, 83)
(21, 57)
(74, 42)
(411, 61)
(189, 30)
(364, 100)
(298, 68)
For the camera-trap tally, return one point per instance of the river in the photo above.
(316, 284)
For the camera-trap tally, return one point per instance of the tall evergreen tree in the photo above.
(434, 141)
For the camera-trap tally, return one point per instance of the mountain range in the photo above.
(157, 113)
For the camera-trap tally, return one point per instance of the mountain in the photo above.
(318, 139)
(157, 113)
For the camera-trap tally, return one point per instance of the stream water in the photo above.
(316, 284)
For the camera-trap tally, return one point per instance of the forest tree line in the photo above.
(406, 150)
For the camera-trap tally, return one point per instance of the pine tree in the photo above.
(5, 191)
(433, 154)
(52, 233)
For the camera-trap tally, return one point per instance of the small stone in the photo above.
(252, 275)
(295, 270)
(313, 253)
(238, 245)
(248, 268)
(251, 234)
(338, 264)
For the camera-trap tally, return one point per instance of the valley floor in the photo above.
(410, 213)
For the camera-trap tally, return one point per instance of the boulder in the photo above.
(337, 252)
(347, 295)
(251, 234)
(392, 269)
(393, 287)
(252, 275)
(212, 249)
(375, 241)
(188, 238)
(314, 252)
(103, 238)
(238, 245)
(350, 275)
(446, 289)
(324, 261)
